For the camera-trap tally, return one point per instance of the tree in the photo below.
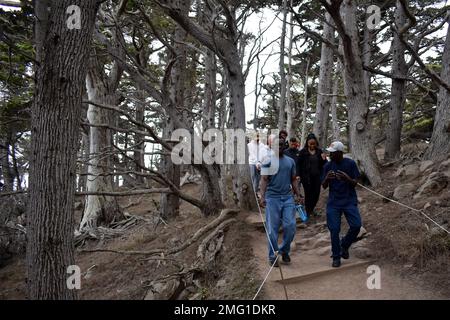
(324, 97)
(398, 88)
(439, 148)
(101, 89)
(170, 203)
(223, 40)
(289, 101)
(343, 13)
(62, 54)
(282, 101)
(16, 87)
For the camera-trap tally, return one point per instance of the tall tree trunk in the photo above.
(84, 152)
(170, 202)
(282, 101)
(55, 122)
(334, 103)
(361, 143)
(15, 165)
(439, 147)
(99, 209)
(289, 103)
(305, 103)
(241, 172)
(139, 149)
(211, 174)
(223, 106)
(367, 57)
(398, 90)
(320, 127)
(209, 102)
(6, 169)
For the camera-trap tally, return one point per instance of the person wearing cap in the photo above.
(278, 188)
(311, 161)
(340, 175)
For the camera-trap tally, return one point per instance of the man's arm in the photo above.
(263, 187)
(294, 184)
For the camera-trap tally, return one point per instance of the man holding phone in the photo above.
(341, 174)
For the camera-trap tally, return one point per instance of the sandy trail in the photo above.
(310, 275)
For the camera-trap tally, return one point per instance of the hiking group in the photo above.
(280, 168)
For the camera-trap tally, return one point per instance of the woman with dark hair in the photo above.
(311, 161)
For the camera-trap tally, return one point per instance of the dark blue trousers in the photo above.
(353, 218)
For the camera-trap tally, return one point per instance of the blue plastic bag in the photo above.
(301, 212)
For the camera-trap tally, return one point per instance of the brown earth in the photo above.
(121, 276)
(413, 255)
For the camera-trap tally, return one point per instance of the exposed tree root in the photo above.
(225, 214)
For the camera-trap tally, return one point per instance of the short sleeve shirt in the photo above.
(281, 170)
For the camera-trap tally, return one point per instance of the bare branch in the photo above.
(124, 193)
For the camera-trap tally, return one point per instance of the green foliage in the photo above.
(16, 69)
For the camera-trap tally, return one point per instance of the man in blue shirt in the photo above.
(341, 174)
(278, 182)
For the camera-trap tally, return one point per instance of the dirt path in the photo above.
(310, 275)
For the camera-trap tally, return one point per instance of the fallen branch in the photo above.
(224, 215)
(207, 254)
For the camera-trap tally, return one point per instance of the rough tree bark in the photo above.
(336, 132)
(289, 103)
(361, 143)
(367, 57)
(282, 101)
(211, 174)
(63, 56)
(170, 203)
(139, 152)
(101, 89)
(305, 102)
(6, 167)
(320, 126)
(439, 148)
(398, 89)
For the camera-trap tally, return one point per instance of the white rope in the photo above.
(267, 276)
(406, 206)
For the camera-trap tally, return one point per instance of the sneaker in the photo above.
(285, 257)
(344, 253)
(336, 263)
(271, 262)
